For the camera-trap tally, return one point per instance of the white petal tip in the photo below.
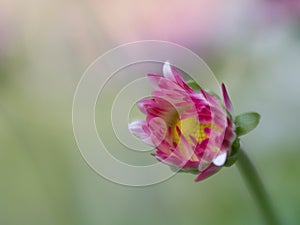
(135, 127)
(167, 71)
(220, 159)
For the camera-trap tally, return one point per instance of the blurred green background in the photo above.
(45, 46)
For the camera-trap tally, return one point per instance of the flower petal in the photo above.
(227, 101)
(154, 80)
(167, 71)
(139, 129)
(209, 171)
(220, 159)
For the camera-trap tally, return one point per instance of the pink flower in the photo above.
(191, 130)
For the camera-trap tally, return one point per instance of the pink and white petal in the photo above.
(140, 129)
(167, 72)
(227, 101)
(229, 136)
(201, 147)
(154, 80)
(144, 104)
(181, 82)
(172, 74)
(170, 160)
(220, 159)
(158, 129)
(168, 84)
(207, 172)
(210, 98)
(190, 165)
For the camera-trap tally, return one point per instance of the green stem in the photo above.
(257, 188)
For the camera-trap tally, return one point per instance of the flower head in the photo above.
(191, 130)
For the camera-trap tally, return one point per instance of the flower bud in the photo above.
(191, 129)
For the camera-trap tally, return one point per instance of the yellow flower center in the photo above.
(191, 127)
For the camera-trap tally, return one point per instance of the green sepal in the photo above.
(193, 85)
(246, 122)
(234, 153)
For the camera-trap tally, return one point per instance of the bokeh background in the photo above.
(45, 46)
